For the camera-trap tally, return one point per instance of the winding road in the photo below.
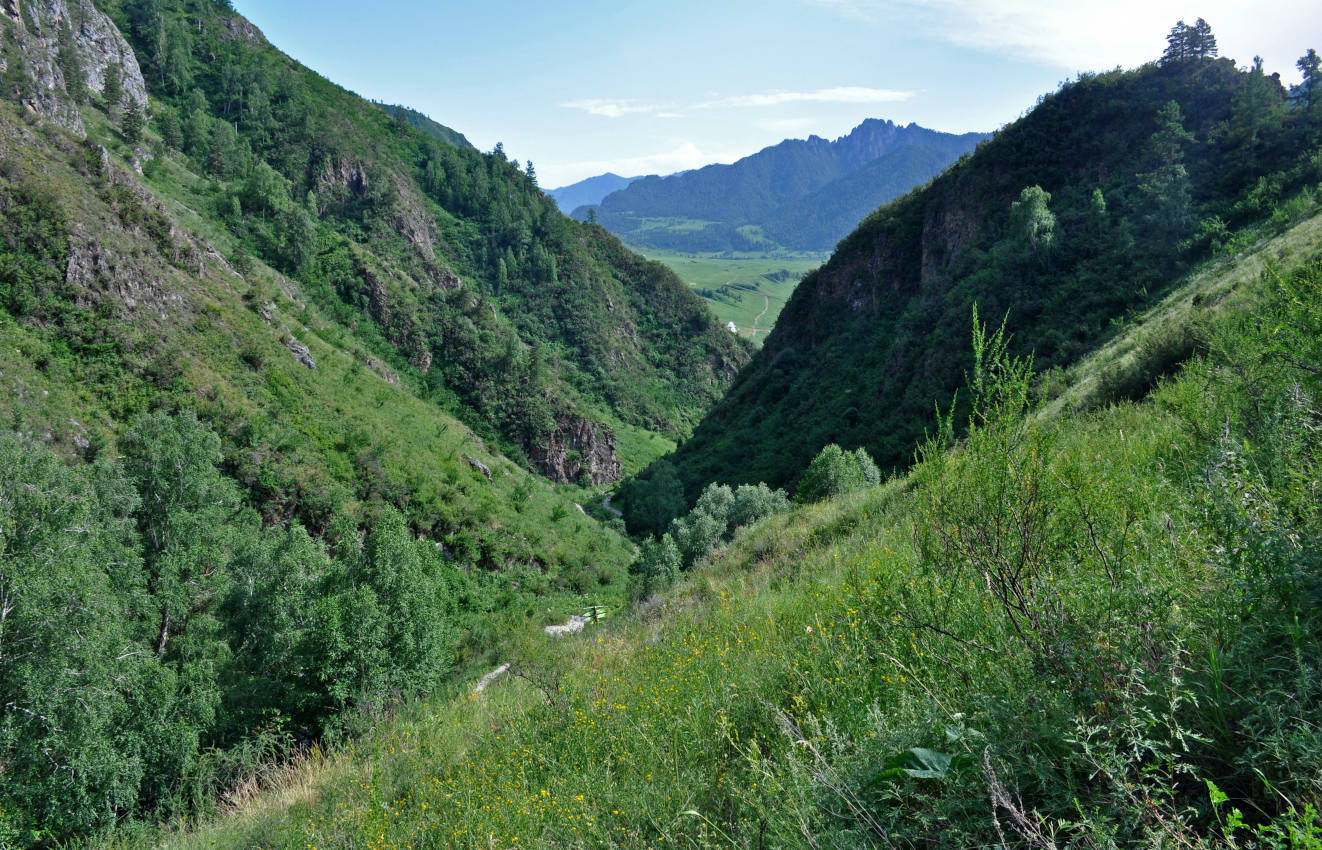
(766, 305)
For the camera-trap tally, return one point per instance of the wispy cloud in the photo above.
(839, 94)
(684, 156)
(1093, 36)
(609, 108)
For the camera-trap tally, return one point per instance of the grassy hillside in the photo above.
(1081, 630)
(217, 484)
(1066, 222)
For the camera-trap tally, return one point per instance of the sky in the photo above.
(583, 87)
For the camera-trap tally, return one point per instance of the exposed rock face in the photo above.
(340, 178)
(578, 450)
(97, 44)
(99, 274)
(411, 221)
(479, 466)
(242, 28)
(301, 352)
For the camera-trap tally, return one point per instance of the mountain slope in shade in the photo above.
(1066, 220)
(588, 192)
(722, 207)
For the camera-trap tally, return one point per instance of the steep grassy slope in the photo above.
(1091, 630)
(803, 195)
(331, 538)
(1142, 171)
(450, 264)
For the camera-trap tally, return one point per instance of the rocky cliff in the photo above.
(578, 450)
(56, 54)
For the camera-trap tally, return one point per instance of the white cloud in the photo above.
(839, 94)
(1075, 35)
(609, 108)
(669, 115)
(685, 156)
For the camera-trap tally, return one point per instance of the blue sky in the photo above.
(581, 87)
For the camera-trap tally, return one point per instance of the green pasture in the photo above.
(744, 289)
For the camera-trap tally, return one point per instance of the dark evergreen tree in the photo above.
(112, 91)
(1189, 42)
(1203, 42)
(131, 123)
(1166, 185)
(71, 66)
(1310, 89)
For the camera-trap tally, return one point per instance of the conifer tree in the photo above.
(131, 124)
(1203, 42)
(71, 66)
(1166, 185)
(112, 90)
(1310, 64)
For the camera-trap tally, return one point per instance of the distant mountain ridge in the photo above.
(590, 191)
(803, 194)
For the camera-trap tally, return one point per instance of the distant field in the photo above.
(745, 289)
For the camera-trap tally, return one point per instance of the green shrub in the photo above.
(835, 472)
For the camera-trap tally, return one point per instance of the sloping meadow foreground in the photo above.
(1085, 630)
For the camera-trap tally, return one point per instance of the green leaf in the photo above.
(916, 762)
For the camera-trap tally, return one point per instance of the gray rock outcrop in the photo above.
(32, 36)
(578, 450)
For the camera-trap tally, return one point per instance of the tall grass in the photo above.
(1096, 630)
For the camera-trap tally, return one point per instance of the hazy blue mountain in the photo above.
(588, 192)
(801, 193)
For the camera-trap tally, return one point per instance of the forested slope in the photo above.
(450, 263)
(1062, 224)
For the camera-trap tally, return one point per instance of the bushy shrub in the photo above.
(655, 568)
(835, 472)
(719, 512)
(754, 501)
(1159, 354)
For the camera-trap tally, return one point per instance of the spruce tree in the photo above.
(1310, 64)
(1202, 41)
(112, 90)
(71, 66)
(131, 124)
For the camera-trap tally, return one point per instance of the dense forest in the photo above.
(1064, 223)
(802, 195)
